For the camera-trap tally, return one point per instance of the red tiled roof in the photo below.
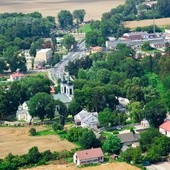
(165, 126)
(17, 75)
(89, 153)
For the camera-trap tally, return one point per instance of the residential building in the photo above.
(23, 113)
(16, 76)
(128, 138)
(87, 119)
(143, 126)
(135, 36)
(95, 49)
(165, 128)
(94, 155)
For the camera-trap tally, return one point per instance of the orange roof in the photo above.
(17, 74)
(165, 126)
(89, 153)
(97, 48)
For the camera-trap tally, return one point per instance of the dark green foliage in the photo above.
(42, 105)
(132, 154)
(86, 138)
(112, 145)
(147, 138)
(155, 112)
(32, 132)
(65, 19)
(79, 15)
(68, 42)
(32, 158)
(56, 127)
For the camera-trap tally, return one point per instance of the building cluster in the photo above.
(136, 40)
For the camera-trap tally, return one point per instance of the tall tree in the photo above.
(78, 15)
(155, 112)
(65, 19)
(42, 105)
(68, 42)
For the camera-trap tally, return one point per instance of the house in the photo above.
(128, 138)
(165, 128)
(23, 113)
(16, 76)
(94, 155)
(158, 45)
(87, 119)
(66, 91)
(43, 56)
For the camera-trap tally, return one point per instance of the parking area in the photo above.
(160, 166)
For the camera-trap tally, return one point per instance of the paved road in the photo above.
(59, 68)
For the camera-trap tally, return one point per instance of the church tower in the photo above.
(63, 85)
(69, 89)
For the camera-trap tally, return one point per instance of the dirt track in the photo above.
(17, 141)
(94, 8)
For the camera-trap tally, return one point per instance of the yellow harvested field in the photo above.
(108, 166)
(94, 8)
(142, 23)
(17, 141)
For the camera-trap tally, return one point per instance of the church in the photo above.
(66, 91)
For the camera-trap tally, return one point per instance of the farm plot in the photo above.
(17, 141)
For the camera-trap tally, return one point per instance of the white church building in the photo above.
(66, 91)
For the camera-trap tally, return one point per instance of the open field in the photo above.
(108, 166)
(17, 141)
(142, 23)
(94, 8)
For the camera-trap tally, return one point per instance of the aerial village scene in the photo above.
(85, 84)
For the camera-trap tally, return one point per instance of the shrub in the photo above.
(57, 126)
(32, 132)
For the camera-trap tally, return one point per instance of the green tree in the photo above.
(68, 42)
(79, 15)
(33, 155)
(155, 112)
(57, 126)
(63, 112)
(88, 140)
(146, 46)
(42, 105)
(65, 19)
(3, 103)
(74, 108)
(112, 144)
(147, 138)
(163, 8)
(136, 111)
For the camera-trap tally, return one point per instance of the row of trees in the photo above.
(66, 18)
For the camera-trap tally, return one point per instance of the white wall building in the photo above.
(87, 119)
(16, 76)
(23, 114)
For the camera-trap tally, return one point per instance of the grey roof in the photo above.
(128, 137)
(113, 44)
(62, 97)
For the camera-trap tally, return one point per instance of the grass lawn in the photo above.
(155, 81)
(85, 28)
(152, 51)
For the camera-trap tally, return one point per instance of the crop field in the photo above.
(17, 141)
(163, 22)
(108, 166)
(94, 8)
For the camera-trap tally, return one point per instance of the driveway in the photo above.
(159, 166)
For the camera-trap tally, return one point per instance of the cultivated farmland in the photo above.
(148, 22)
(94, 8)
(17, 141)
